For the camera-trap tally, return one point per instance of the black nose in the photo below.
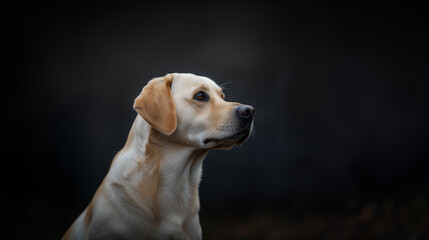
(246, 112)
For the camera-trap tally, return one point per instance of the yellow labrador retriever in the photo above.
(151, 189)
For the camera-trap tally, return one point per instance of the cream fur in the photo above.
(151, 189)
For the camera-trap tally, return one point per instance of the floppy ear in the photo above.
(156, 105)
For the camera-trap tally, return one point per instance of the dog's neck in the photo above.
(165, 173)
(173, 157)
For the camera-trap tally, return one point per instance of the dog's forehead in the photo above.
(190, 82)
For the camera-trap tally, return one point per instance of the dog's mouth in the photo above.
(237, 138)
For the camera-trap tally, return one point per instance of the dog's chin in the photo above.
(228, 141)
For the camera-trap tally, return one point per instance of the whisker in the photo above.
(223, 85)
(253, 132)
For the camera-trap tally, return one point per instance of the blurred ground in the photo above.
(383, 218)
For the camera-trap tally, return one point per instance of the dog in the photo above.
(151, 189)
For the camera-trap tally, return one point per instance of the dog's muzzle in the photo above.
(242, 126)
(245, 115)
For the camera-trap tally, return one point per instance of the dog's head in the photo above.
(191, 110)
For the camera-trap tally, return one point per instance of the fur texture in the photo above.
(151, 189)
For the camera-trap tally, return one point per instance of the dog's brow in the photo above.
(203, 88)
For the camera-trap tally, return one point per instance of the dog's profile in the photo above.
(151, 189)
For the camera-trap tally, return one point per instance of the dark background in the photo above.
(340, 90)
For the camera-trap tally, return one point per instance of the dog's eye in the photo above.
(201, 96)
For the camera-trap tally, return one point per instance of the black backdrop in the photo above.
(340, 92)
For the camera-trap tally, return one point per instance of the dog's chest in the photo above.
(179, 193)
(178, 202)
